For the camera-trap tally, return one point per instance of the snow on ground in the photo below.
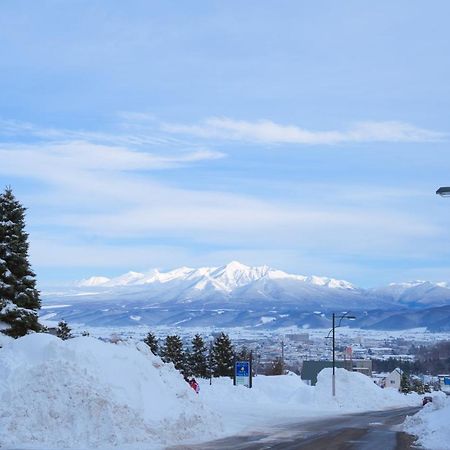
(430, 424)
(85, 393)
(285, 398)
(4, 340)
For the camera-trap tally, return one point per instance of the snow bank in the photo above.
(84, 393)
(282, 398)
(357, 392)
(430, 424)
(269, 400)
(4, 339)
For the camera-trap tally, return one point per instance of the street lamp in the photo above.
(443, 191)
(341, 318)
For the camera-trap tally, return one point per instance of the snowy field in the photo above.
(138, 332)
(85, 393)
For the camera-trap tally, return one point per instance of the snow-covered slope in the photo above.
(416, 293)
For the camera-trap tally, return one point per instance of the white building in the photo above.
(394, 379)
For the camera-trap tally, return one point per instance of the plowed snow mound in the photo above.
(430, 424)
(357, 392)
(86, 393)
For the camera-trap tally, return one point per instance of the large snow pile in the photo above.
(86, 393)
(287, 397)
(357, 392)
(269, 400)
(430, 425)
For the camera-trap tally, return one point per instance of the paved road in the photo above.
(367, 431)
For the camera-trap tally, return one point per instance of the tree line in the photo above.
(196, 359)
(433, 360)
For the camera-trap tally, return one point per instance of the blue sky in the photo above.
(309, 136)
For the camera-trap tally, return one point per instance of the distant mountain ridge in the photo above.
(228, 277)
(241, 295)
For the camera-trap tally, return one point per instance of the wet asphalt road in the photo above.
(367, 431)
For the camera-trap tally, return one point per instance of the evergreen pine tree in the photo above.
(198, 358)
(172, 351)
(63, 331)
(405, 385)
(152, 341)
(187, 364)
(19, 298)
(243, 354)
(222, 356)
(276, 367)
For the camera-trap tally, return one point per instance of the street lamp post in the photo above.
(333, 331)
(334, 357)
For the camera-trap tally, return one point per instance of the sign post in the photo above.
(243, 373)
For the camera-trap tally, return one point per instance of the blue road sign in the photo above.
(242, 373)
(242, 368)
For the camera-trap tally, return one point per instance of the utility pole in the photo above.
(210, 362)
(333, 382)
(282, 357)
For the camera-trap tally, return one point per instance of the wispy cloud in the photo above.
(101, 192)
(266, 131)
(102, 197)
(86, 156)
(130, 135)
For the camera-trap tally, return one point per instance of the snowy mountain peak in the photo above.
(236, 265)
(93, 281)
(226, 279)
(330, 282)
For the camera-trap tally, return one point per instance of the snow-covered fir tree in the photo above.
(244, 354)
(63, 331)
(152, 341)
(19, 298)
(172, 351)
(198, 361)
(222, 356)
(405, 384)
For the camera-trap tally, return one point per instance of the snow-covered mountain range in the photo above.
(226, 278)
(234, 294)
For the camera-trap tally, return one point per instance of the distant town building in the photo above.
(394, 379)
(298, 337)
(311, 369)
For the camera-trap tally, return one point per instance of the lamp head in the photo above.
(443, 191)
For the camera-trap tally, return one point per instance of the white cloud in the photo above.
(82, 155)
(101, 191)
(267, 131)
(94, 193)
(135, 135)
